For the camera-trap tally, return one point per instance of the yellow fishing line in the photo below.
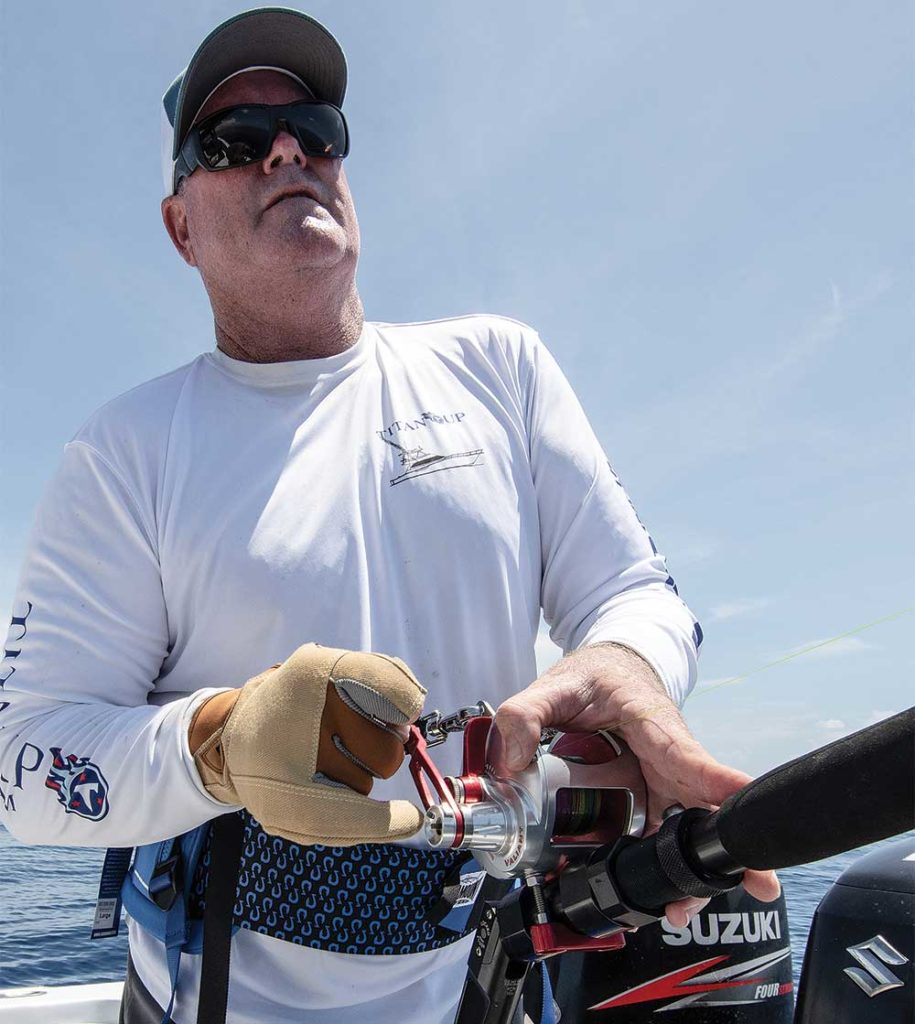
(803, 650)
(648, 712)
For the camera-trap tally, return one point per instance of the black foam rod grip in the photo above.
(854, 791)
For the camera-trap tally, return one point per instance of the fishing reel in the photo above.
(580, 792)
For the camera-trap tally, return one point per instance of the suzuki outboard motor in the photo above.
(858, 968)
(732, 965)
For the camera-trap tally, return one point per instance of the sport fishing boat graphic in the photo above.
(418, 462)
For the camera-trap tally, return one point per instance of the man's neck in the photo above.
(288, 331)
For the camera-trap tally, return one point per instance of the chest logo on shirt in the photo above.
(80, 786)
(419, 456)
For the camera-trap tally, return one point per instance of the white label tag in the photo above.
(471, 884)
(105, 913)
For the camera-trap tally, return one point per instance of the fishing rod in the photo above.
(568, 828)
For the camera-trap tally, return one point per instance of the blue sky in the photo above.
(705, 209)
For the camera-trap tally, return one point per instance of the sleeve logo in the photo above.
(14, 649)
(80, 786)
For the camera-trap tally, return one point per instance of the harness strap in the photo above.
(467, 890)
(547, 1009)
(167, 879)
(173, 962)
(227, 841)
(452, 889)
(107, 922)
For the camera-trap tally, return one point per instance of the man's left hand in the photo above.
(608, 686)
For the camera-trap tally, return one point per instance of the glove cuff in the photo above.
(205, 744)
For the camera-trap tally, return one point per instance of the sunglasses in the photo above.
(238, 136)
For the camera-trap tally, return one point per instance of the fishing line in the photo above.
(804, 650)
(648, 712)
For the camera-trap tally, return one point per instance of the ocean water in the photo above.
(47, 898)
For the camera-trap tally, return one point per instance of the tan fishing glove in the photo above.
(299, 744)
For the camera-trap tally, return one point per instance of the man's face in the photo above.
(240, 220)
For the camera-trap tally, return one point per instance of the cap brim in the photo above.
(269, 36)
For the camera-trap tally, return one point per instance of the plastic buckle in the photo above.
(165, 882)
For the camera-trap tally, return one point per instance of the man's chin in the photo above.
(306, 250)
(309, 231)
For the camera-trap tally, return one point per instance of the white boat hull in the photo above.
(61, 1004)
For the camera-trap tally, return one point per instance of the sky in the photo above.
(704, 208)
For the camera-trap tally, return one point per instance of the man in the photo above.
(420, 490)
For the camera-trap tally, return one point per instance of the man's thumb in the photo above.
(513, 738)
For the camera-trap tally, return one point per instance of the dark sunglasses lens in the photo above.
(235, 138)
(320, 129)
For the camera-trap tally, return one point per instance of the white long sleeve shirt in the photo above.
(423, 494)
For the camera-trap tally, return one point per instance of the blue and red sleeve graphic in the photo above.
(80, 786)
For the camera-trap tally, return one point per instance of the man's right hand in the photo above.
(299, 745)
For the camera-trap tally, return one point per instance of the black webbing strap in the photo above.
(492, 889)
(451, 889)
(225, 855)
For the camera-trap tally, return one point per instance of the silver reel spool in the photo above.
(580, 791)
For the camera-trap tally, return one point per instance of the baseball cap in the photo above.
(278, 38)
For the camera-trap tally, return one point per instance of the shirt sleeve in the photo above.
(603, 579)
(84, 759)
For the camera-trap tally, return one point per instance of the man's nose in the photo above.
(285, 149)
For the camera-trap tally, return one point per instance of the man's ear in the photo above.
(174, 217)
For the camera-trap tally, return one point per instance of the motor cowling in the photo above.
(858, 968)
(732, 965)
